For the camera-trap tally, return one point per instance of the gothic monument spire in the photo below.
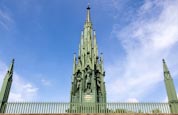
(170, 88)
(88, 71)
(5, 90)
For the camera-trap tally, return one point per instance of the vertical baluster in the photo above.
(49, 107)
(64, 108)
(41, 107)
(148, 107)
(34, 107)
(167, 108)
(60, 107)
(25, 107)
(18, 110)
(7, 107)
(13, 108)
(129, 107)
(145, 107)
(57, 107)
(16, 107)
(164, 106)
(125, 106)
(9, 104)
(52, 108)
(114, 107)
(20, 107)
(159, 107)
(37, 107)
(134, 107)
(151, 108)
(30, 108)
(10, 108)
(44, 107)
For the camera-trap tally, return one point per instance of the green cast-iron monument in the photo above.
(88, 73)
(88, 92)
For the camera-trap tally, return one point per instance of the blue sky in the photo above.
(134, 36)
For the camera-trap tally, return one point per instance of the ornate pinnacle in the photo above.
(11, 66)
(88, 13)
(165, 68)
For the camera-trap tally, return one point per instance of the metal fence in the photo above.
(55, 107)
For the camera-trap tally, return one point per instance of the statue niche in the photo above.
(98, 82)
(88, 75)
(78, 79)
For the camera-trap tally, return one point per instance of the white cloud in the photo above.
(5, 19)
(21, 89)
(146, 40)
(45, 82)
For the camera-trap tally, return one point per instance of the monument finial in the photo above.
(165, 68)
(88, 13)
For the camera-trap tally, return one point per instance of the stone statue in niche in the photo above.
(98, 80)
(88, 80)
(78, 80)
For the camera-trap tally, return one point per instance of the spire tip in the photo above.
(88, 7)
(13, 60)
(88, 13)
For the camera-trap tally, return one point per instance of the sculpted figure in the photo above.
(78, 80)
(98, 79)
(88, 79)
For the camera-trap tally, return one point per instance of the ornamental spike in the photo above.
(5, 90)
(165, 68)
